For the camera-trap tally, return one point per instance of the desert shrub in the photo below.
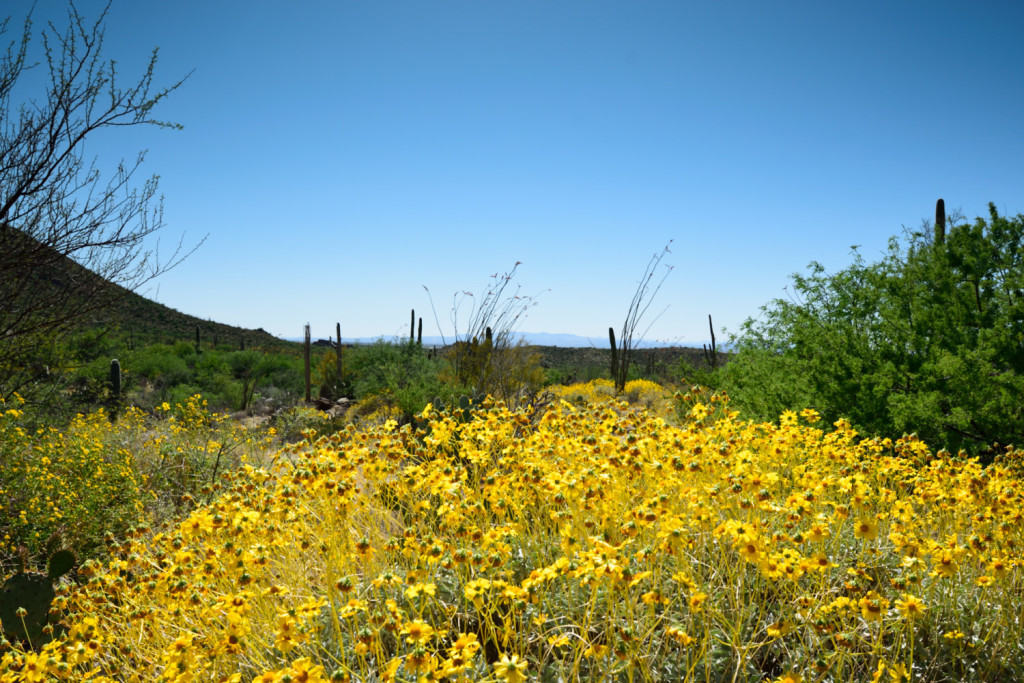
(507, 371)
(180, 393)
(247, 367)
(926, 340)
(583, 393)
(697, 374)
(191, 447)
(210, 365)
(221, 391)
(228, 379)
(91, 344)
(184, 349)
(637, 393)
(645, 393)
(284, 373)
(96, 478)
(159, 367)
(291, 424)
(327, 377)
(89, 384)
(69, 486)
(402, 374)
(486, 358)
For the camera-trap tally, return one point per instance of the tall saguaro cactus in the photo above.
(337, 350)
(940, 221)
(115, 379)
(308, 344)
(711, 355)
(115, 388)
(615, 356)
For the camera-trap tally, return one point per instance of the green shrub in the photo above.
(159, 366)
(73, 485)
(930, 339)
(403, 374)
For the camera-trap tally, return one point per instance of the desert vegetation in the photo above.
(470, 517)
(927, 340)
(834, 495)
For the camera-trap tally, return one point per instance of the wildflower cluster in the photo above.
(637, 392)
(98, 477)
(590, 541)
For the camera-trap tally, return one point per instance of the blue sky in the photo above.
(341, 155)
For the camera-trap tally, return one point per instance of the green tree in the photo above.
(252, 368)
(930, 339)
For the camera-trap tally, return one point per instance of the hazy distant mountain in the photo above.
(535, 339)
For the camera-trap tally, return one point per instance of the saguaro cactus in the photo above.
(308, 344)
(115, 388)
(337, 350)
(615, 356)
(115, 380)
(711, 355)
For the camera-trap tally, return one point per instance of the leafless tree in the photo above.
(643, 297)
(66, 227)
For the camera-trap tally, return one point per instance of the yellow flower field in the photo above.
(590, 541)
(100, 476)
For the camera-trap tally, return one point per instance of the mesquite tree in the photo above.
(930, 339)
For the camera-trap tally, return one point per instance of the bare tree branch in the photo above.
(66, 227)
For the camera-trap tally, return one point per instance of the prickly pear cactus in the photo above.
(465, 404)
(25, 606)
(60, 564)
(25, 600)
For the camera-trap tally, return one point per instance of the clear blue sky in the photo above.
(340, 154)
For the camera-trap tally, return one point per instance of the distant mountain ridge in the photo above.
(564, 340)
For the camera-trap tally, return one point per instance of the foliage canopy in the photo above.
(930, 339)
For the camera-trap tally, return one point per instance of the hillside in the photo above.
(147, 321)
(77, 299)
